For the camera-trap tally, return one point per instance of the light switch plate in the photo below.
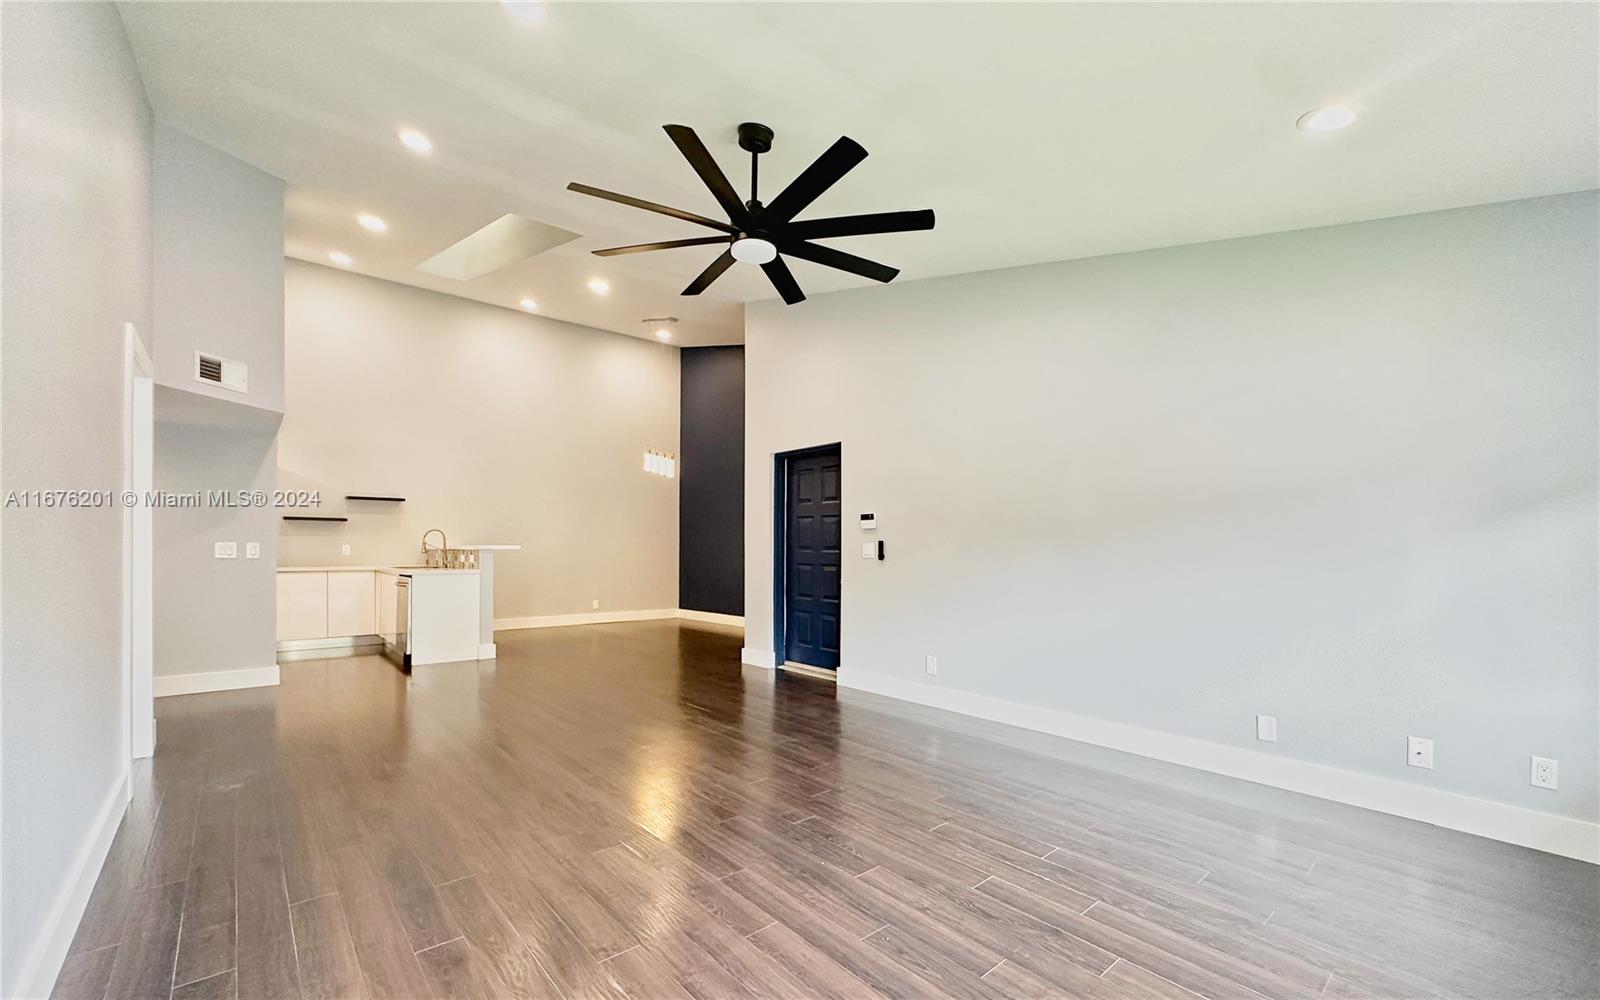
(226, 550)
(1267, 728)
(252, 550)
(1419, 752)
(869, 550)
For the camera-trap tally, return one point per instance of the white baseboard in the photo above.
(216, 680)
(758, 658)
(711, 617)
(485, 650)
(585, 618)
(1572, 838)
(607, 617)
(49, 948)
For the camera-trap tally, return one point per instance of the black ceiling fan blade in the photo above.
(823, 173)
(829, 257)
(778, 273)
(700, 159)
(860, 225)
(698, 241)
(710, 274)
(650, 206)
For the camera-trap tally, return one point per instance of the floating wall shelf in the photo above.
(307, 517)
(356, 496)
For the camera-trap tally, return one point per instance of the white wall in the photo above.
(75, 236)
(496, 426)
(218, 267)
(1343, 476)
(218, 287)
(214, 615)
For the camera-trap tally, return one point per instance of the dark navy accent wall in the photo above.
(711, 481)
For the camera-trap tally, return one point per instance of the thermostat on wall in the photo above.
(869, 522)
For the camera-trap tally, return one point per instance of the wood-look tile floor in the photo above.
(621, 810)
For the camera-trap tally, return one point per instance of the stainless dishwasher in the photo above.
(397, 644)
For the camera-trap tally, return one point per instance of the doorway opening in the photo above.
(807, 557)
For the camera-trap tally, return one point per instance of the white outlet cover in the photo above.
(596, 604)
(252, 550)
(1267, 728)
(344, 550)
(226, 550)
(1544, 772)
(932, 664)
(1419, 752)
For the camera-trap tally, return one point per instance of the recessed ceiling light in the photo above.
(339, 257)
(525, 11)
(663, 327)
(371, 223)
(599, 286)
(529, 304)
(1329, 119)
(415, 141)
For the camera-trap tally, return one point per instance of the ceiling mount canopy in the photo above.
(765, 234)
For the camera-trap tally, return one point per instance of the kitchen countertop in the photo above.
(397, 570)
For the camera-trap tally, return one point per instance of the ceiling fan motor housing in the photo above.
(755, 138)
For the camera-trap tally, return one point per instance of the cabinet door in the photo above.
(352, 604)
(302, 606)
(388, 592)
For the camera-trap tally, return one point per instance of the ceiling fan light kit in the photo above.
(753, 250)
(765, 234)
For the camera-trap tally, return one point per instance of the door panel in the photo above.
(811, 559)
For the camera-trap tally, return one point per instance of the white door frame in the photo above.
(138, 549)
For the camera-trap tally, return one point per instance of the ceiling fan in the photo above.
(764, 234)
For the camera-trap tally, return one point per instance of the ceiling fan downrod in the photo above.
(756, 139)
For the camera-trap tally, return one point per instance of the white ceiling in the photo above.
(1036, 132)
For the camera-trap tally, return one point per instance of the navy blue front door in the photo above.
(811, 560)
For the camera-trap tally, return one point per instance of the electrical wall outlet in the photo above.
(932, 664)
(344, 550)
(595, 604)
(1419, 752)
(1267, 728)
(226, 550)
(1544, 772)
(252, 550)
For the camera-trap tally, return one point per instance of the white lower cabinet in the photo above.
(388, 594)
(352, 603)
(302, 606)
(331, 604)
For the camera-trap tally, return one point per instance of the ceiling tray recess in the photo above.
(505, 241)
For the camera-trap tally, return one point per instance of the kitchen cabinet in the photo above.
(388, 594)
(322, 607)
(302, 606)
(352, 603)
